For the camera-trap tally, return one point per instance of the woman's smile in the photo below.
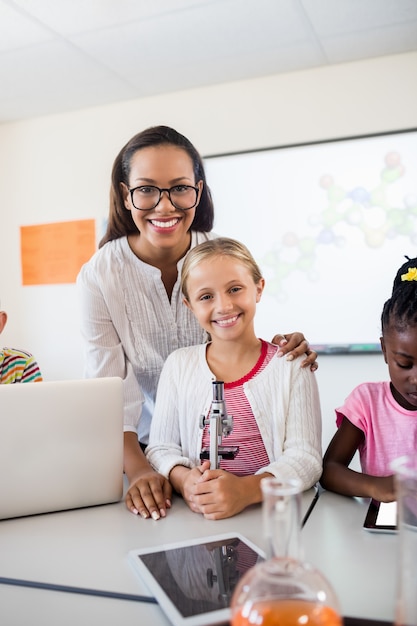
(168, 224)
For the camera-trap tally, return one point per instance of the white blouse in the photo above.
(129, 325)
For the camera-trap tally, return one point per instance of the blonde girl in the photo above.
(274, 402)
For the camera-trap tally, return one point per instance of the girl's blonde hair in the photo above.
(213, 248)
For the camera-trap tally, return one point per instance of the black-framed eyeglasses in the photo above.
(147, 197)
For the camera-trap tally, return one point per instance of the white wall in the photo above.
(57, 168)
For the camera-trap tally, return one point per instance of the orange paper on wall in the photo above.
(54, 253)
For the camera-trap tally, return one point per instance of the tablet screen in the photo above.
(194, 581)
(381, 516)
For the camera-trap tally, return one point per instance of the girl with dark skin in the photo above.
(380, 419)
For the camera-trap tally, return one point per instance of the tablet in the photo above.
(193, 580)
(381, 517)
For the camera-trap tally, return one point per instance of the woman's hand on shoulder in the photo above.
(293, 345)
(149, 495)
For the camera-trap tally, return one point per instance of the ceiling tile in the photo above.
(384, 41)
(215, 37)
(18, 31)
(345, 16)
(77, 16)
(56, 77)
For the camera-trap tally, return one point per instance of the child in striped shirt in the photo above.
(17, 366)
(274, 402)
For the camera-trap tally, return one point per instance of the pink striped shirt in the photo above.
(245, 434)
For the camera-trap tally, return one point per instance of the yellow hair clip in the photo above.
(411, 274)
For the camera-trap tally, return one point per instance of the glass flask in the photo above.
(405, 472)
(283, 590)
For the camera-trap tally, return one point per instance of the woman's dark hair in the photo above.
(400, 310)
(120, 222)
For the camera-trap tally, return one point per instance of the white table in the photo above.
(360, 565)
(88, 548)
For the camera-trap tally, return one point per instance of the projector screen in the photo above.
(329, 224)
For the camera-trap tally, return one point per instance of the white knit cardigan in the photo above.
(284, 399)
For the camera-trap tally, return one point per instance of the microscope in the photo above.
(225, 572)
(220, 425)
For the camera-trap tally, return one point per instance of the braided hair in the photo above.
(400, 311)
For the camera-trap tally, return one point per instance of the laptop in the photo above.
(61, 445)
